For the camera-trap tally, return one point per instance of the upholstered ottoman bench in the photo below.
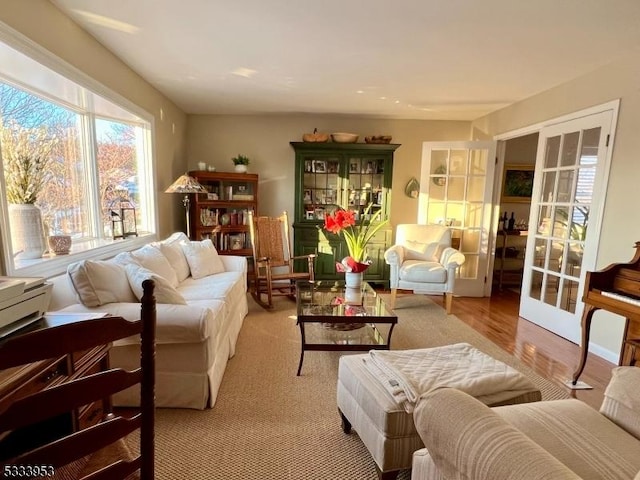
(380, 413)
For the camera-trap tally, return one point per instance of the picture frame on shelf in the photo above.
(353, 167)
(517, 183)
(307, 198)
(320, 166)
(308, 166)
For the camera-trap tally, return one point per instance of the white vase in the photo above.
(353, 280)
(241, 168)
(27, 233)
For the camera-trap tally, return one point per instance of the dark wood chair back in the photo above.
(74, 393)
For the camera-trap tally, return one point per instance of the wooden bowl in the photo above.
(378, 139)
(315, 137)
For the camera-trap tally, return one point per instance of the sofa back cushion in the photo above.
(163, 291)
(151, 258)
(171, 249)
(98, 282)
(202, 258)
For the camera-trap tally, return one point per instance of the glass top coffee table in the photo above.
(332, 317)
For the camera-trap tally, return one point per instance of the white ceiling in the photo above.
(419, 59)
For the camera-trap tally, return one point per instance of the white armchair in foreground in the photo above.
(422, 260)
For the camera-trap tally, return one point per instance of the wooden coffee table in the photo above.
(334, 318)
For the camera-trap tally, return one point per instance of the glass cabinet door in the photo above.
(348, 176)
(322, 186)
(365, 186)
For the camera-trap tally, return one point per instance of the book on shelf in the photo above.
(242, 196)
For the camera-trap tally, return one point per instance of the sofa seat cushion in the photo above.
(174, 324)
(577, 435)
(225, 285)
(422, 272)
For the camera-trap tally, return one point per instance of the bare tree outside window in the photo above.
(63, 198)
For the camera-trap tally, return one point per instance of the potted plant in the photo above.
(240, 163)
(25, 156)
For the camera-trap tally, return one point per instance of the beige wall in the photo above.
(621, 225)
(214, 139)
(44, 24)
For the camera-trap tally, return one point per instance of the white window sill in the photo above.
(52, 265)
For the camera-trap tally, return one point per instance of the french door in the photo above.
(456, 184)
(566, 207)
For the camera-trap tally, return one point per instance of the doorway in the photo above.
(516, 182)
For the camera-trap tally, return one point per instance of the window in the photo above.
(75, 154)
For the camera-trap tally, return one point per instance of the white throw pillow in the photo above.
(163, 291)
(203, 258)
(171, 249)
(151, 258)
(98, 282)
(421, 251)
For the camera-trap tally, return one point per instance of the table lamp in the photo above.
(186, 184)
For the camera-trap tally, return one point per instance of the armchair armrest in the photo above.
(311, 258)
(394, 255)
(300, 257)
(468, 440)
(451, 257)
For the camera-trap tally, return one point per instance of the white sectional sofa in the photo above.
(201, 304)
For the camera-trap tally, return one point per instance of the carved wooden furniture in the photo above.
(56, 388)
(615, 289)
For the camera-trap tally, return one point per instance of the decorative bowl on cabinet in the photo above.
(342, 137)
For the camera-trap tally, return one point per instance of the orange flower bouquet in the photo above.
(343, 222)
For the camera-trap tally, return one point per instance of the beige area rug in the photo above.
(269, 424)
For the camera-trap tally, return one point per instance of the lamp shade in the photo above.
(186, 184)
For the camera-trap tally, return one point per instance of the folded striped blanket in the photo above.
(408, 374)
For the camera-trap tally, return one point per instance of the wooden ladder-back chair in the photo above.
(28, 411)
(273, 262)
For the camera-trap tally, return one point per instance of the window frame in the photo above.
(96, 248)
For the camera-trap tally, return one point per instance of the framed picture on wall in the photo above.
(517, 183)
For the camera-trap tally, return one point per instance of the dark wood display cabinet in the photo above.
(341, 175)
(222, 214)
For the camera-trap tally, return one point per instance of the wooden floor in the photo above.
(548, 354)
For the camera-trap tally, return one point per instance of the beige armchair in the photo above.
(422, 260)
(555, 439)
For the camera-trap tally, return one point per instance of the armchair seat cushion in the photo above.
(422, 272)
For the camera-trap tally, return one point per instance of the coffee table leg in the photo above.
(301, 360)
(302, 344)
(346, 424)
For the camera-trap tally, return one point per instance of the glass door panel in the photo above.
(562, 208)
(454, 191)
